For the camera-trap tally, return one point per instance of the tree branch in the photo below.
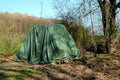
(118, 5)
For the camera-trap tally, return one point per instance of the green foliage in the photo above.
(2, 45)
(16, 73)
(10, 45)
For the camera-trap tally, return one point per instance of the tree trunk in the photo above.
(113, 30)
(92, 27)
(109, 24)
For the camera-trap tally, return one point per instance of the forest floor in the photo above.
(102, 67)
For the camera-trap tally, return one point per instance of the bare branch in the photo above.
(118, 5)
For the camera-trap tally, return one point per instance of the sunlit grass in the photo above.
(9, 45)
(16, 73)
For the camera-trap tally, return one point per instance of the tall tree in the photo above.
(92, 27)
(108, 9)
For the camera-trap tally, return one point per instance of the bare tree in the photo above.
(92, 26)
(72, 18)
(108, 9)
(82, 10)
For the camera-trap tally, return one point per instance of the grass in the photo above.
(9, 45)
(16, 73)
(2, 45)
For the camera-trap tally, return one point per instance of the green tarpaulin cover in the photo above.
(44, 44)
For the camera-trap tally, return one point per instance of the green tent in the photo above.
(45, 44)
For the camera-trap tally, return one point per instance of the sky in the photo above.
(38, 8)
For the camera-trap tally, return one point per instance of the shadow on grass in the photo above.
(16, 74)
(4, 76)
